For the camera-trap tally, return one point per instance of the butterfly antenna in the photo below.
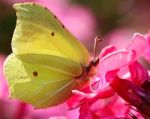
(97, 40)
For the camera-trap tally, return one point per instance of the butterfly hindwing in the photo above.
(42, 84)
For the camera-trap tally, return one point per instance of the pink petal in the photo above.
(58, 117)
(147, 52)
(104, 94)
(115, 60)
(110, 108)
(86, 94)
(73, 114)
(85, 112)
(111, 75)
(126, 89)
(138, 73)
(74, 101)
(106, 50)
(138, 44)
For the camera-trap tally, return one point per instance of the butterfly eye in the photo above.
(45, 8)
(55, 17)
(63, 26)
(35, 73)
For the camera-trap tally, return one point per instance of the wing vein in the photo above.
(42, 101)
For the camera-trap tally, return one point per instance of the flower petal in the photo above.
(147, 52)
(115, 60)
(138, 73)
(85, 112)
(106, 50)
(138, 44)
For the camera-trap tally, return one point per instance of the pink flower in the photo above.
(134, 88)
(114, 61)
(131, 88)
(123, 57)
(135, 91)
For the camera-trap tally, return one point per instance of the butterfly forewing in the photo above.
(39, 31)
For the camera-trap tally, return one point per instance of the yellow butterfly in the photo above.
(47, 61)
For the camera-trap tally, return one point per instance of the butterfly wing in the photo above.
(39, 31)
(41, 80)
(46, 58)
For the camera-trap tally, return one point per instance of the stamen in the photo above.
(94, 92)
(96, 81)
(84, 95)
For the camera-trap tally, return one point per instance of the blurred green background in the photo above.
(109, 15)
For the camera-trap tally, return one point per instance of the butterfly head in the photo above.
(91, 69)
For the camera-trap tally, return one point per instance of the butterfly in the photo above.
(47, 62)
